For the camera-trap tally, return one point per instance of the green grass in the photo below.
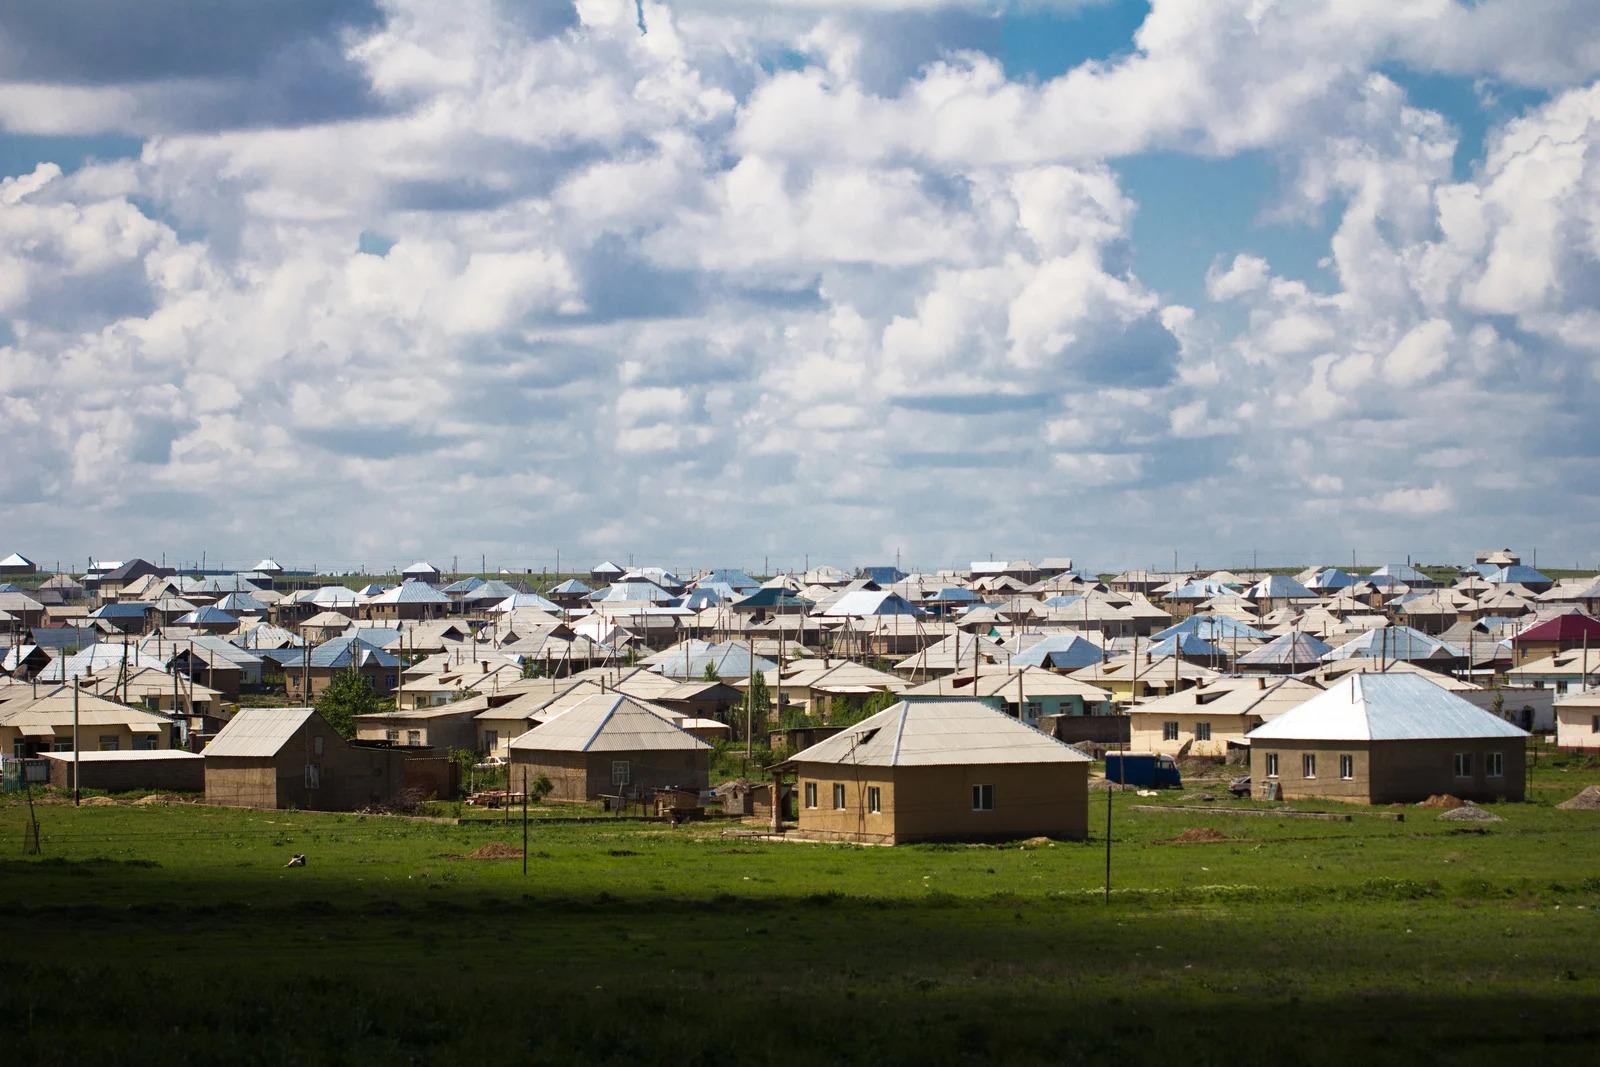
(175, 933)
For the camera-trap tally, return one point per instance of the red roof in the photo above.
(1574, 626)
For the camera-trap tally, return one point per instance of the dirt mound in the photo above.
(1470, 812)
(1441, 800)
(1588, 800)
(161, 798)
(1198, 835)
(1038, 842)
(99, 802)
(494, 850)
(1103, 785)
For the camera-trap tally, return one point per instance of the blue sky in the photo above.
(784, 278)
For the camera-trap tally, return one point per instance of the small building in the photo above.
(1208, 719)
(1578, 721)
(291, 757)
(1567, 632)
(167, 770)
(611, 745)
(318, 668)
(17, 563)
(1387, 739)
(30, 727)
(442, 728)
(928, 770)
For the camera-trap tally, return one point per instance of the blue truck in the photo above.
(1150, 770)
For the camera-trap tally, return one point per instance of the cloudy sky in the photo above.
(719, 280)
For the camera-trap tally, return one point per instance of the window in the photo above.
(1495, 765)
(1561, 687)
(1202, 731)
(61, 744)
(1347, 767)
(621, 772)
(1169, 731)
(491, 740)
(316, 745)
(1463, 765)
(414, 738)
(1033, 709)
(392, 736)
(1272, 765)
(1308, 765)
(811, 794)
(313, 776)
(838, 796)
(1594, 725)
(983, 798)
(144, 742)
(874, 799)
(109, 743)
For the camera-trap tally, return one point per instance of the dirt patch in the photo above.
(1588, 800)
(1470, 813)
(161, 798)
(494, 850)
(1198, 835)
(1037, 842)
(98, 802)
(1441, 800)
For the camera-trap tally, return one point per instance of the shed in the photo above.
(169, 770)
(291, 757)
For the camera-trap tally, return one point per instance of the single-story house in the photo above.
(927, 770)
(291, 757)
(1385, 739)
(609, 744)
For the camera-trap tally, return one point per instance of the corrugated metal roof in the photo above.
(253, 733)
(1385, 707)
(1291, 649)
(410, 592)
(939, 733)
(609, 722)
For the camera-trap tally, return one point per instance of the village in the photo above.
(876, 707)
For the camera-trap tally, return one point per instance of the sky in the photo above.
(767, 282)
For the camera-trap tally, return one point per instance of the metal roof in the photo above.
(209, 616)
(939, 733)
(862, 602)
(352, 651)
(254, 733)
(410, 592)
(1385, 707)
(609, 722)
(1291, 649)
(1061, 651)
(1211, 628)
(1396, 642)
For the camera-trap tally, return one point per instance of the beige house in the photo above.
(30, 726)
(1141, 676)
(611, 745)
(1387, 739)
(292, 758)
(927, 770)
(1578, 721)
(1207, 719)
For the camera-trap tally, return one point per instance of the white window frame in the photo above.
(621, 772)
(1463, 765)
(1169, 730)
(392, 736)
(491, 741)
(1495, 765)
(1308, 764)
(1347, 767)
(313, 776)
(811, 794)
(1272, 765)
(1202, 731)
(838, 796)
(875, 800)
(983, 798)
(413, 738)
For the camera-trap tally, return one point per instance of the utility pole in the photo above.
(77, 748)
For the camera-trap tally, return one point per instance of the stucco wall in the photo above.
(1390, 772)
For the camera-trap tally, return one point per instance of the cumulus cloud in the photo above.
(757, 278)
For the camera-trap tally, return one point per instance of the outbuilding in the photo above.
(1386, 739)
(931, 770)
(291, 757)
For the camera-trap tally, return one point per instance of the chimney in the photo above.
(1261, 683)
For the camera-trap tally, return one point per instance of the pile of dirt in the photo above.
(1038, 842)
(1198, 835)
(1102, 785)
(161, 798)
(1469, 812)
(98, 802)
(1588, 800)
(1441, 800)
(494, 850)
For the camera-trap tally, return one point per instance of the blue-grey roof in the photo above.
(639, 591)
(730, 659)
(342, 652)
(1290, 649)
(1385, 707)
(133, 610)
(240, 602)
(525, 601)
(1396, 643)
(883, 575)
(1200, 589)
(410, 592)
(1517, 575)
(465, 585)
(492, 591)
(953, 594)
(571, 587)
(1330, 578)
(1401, 571)
(1185, 645)
(207, 616)
(1060, 651)
(59, 637)
(1212, 628)
(736, 580)
(1279, 587)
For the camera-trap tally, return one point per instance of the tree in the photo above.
(532, 668)
(711, 674)
(347, 696)
(760, 697)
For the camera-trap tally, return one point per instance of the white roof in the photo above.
(939, 733)
(1385, 707)
(137, 755)
(257, 732)
(609, 722)
(16, 559)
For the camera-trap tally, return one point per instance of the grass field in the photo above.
(174, 933)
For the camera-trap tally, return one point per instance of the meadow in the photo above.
(174, 933)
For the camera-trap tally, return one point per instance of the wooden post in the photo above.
(77, 749)
(777, 801)
(524, 822)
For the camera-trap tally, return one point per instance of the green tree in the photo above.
(532, 668)
(347, 696)
(711, 674)
(760, 698)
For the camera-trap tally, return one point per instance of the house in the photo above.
(442, 728)
(25, 612)
(1208, 719)
(292, 758)
(1141, 676)
(536, 700)
(1387, 739)
(411, 600)
(1578, 721)
(17, 563)
(929, 770)
(421, 571)
(1024, 693)
(1289, 654)
(30, 726)
(606, 573)
(317, 669)
(1564, 672)
(609, 744)
(1570, 631)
